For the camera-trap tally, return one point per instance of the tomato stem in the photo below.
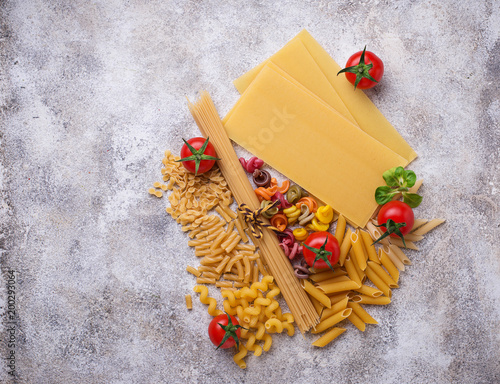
(321, 253)
(391, 227)
(197, 155)
(230, 330)
(361, 70)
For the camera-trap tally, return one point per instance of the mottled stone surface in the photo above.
(92, 93)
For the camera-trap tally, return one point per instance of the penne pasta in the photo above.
(316, 293)
(362, 314)
(369, 247)
(328, 337)
(428, 226)
(378, 282)
(399, 253)
(383, 275)
(340, 229)
(369, 291)
(363, 299)
(337, 307)
(338, 286)
(345, 247)
(388, 265)
(332, 320)
(357, 248)
(356, 321)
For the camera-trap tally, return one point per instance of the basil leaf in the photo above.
(410, 179)
(412, 199)
(390, 178)
(384, 194)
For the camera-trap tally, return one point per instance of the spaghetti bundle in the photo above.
(210, 125)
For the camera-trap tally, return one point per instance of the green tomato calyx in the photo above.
(321, 253)
(361, 70)
(230, 330)
(391, 227)
(197, 155)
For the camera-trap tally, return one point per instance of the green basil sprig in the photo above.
(398, 180)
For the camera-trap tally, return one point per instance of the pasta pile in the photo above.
(365, 274)
(257, 310)
(228, 260)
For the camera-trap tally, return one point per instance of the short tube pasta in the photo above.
(316, 293)
(328, 337)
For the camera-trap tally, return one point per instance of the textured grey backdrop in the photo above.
(93, 92)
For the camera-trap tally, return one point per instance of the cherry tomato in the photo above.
(216, 332)
(398, 212)
(198, 155)
(364, 72)
(320, 247)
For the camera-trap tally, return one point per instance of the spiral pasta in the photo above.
(270, 212)
(305, 214)
(251, 164)
(279, 221)
(294, 193)
(317, 226)
(292, 214)
(300, 233)
(309, 201)
(205, 299)
(325, 214)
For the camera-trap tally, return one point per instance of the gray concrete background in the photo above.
(92, 93)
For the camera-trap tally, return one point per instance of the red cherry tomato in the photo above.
(205, 159)
(357, 72)
(398, 212)
(217, 333)
(327, 247)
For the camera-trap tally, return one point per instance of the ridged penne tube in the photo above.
(369, 247)
(388, 265)
(383, 275)
(369, 291)
(189, 302)
(328, 337)
(428, 226)
(325, 275)
(356, 320)
(317, 305)
(337, 307)
(378, 282)
(339, 296)
(332, 320)
(316, 293)
(362, 314)
(407, 244)
(340, 229)
(359, 253)
(338, 287)
(351, 270)
(393, 257)
(400, 254)
(345, 247)
(335, 280)
(363, 299)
